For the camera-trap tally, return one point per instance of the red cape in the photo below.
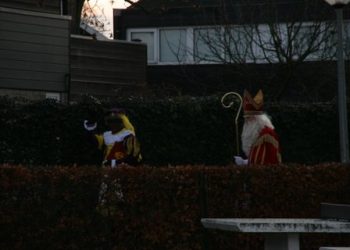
(266, 150)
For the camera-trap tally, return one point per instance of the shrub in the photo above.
(160, 208)
(175, 131)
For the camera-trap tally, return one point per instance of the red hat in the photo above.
(253, 106)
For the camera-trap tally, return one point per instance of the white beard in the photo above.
(252, 129)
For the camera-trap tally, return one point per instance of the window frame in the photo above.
(155, 41)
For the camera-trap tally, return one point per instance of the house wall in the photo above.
(34, 51)
(312, 78)
(106, 68)
(45, 6)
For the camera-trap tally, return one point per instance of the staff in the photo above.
(230, 105)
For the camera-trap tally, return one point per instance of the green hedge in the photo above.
(56, 208)
(172, 131)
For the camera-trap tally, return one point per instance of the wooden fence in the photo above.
(106, 68)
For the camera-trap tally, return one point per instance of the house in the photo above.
(40, 58)
(202, 47)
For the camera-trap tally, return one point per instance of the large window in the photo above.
(172, 45)
(236, 43)
(208, 44)
(147, 37)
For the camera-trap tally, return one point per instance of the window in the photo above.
(53, 96)
(172, 47)
(264, 47)
(304, 37)
(208, 45)
(147, 37)
(238, 43)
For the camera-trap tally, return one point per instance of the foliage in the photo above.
(171, 131)
(160, 208)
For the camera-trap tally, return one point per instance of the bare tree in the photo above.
(93, 16)
(285, 33)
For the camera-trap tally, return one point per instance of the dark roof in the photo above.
(163, 13)
(170, 4)
(174, 4)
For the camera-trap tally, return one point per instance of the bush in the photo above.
(175, 131)
(160, 208)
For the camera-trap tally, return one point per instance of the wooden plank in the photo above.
(36, 20)
(108, 58)
(115, 47)
(123, 80)
(31, 75)
(34, 29)
(109, 48)
(115, 74)
(49, 6)
(57, 59)
(108, 70)
(32, 84)
(98, 88)
(34, 66)
(107, 65)
(32, 38)
(112, 54)
(22, 46)
(54, 3)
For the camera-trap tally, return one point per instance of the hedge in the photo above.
(171, 131)
(161, 207)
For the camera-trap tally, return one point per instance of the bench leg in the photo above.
(282, 241)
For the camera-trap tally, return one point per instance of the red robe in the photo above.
(266, 149)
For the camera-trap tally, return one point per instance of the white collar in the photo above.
(110, 138)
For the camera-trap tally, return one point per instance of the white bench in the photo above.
(334, 248)
(280, 234)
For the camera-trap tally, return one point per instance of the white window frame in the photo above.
(190, 44)
(155, 41)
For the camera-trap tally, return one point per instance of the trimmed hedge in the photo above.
(56, 208)
(175, 131)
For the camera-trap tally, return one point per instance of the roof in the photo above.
(156, 13)
(169, 4)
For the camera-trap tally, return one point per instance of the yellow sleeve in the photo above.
(132, 146)
(127, 123)
(100, 141)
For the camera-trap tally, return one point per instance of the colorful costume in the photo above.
(266, 149)
(119, 147)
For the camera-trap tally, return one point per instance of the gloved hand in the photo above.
(89, 126)
(240, 161)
